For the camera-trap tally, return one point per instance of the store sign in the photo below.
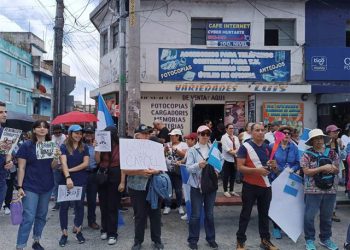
(327, 64)
(291, 114)
(224, 65)
(228, 35)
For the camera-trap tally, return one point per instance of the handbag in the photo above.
(102, 176)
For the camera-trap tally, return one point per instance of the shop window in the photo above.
(115, 35)
(348, 33)
(199, 29)
(104, 45)
(280, 32)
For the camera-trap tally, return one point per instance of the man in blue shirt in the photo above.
(5, 160)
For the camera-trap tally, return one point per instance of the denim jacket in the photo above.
(137, 182)
(160, 186)
(192, 165)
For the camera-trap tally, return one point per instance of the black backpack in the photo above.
(324, 181)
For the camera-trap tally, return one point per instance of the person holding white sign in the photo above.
(74, 159)
(138, 182)
(35, 183)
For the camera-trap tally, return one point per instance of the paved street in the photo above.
(174, 232)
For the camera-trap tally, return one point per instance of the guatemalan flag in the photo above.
(215, 159)
(294, 184)
(104, 117)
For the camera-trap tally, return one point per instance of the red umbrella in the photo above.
(75, 117)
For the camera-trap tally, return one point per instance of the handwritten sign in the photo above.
(103, 141)
(141, 154)
(9, 140)
(65, 194)
(45, 150)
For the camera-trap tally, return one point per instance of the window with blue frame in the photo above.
(8, 65)
(280, 32)
(7, 94)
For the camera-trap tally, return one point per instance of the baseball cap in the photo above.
(75, 128)
(192, 136)
(203, 128)
(175, 131)
(143, 129)
(89, 129)
(332, 128)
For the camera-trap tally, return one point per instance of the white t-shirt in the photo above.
(59, 140)
(227, 145)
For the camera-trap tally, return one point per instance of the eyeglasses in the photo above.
(286, 132)
(229, 128)
(205, 134)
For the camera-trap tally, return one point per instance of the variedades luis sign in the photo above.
(224, 65)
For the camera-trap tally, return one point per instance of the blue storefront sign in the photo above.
(228, 35)
(224, 65)
(327, 64)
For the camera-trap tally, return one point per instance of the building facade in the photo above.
(228, 61)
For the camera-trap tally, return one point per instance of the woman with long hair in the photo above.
(74, 159)
(35, 184)
(110, 191)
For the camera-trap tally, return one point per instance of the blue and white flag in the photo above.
(294, 184)
(104, 117)
(303, 138)
(215, 159)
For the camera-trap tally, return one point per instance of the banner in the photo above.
(224, 65)
(235, 114)
(103, 141)
(45, 150)
(291, 114)
(136, 154)
(65, 194)
(228, 35)
(9, 140)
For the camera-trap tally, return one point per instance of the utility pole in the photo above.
(122, 69)
(134, 95)
(57, 58)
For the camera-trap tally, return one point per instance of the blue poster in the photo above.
(224, 65)
(228, 35)
(324, 64)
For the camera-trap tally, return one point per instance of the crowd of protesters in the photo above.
(246, 158)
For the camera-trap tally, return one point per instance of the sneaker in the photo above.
(94, 225)
(213, 245)
(347, 246)
(335, 218)
(310, 245)
(36, 246)
(181, 210)
(267, 245)
(7, 211)
(184, 217)
(55, 207)
(277, 233)
(166, 210)
(234, 194)
(158, 246)
(193, 246)
(80, 238)
(63, 240)
(329, 244)
(136, 246)
(103, 236)
(112, 240)
(227, 194)
(240, 246)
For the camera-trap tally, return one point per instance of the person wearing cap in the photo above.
(253, 162)
(163, 131)
(286, 156)
(35, 182)
(230, 146)
(110, 191)
(91, 186)
(337, 145)
(138, 183)
(318, 200)
(75, 160)
(58, 138)
(175, 151)
(269, 136)
(196, 161)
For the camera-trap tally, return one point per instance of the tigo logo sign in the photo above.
(319, 63)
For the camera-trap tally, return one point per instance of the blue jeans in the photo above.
(348, 235)
(35, 208)
(3, 188)
(197, 200)
(314, 203)
(78, 212)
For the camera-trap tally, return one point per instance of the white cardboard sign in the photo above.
(65, 194)
(103, 141)
(136, 154)
(45, 150)
(9, 140)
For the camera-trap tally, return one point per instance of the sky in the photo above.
(81, 39)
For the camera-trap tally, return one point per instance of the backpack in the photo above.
(323, 180)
